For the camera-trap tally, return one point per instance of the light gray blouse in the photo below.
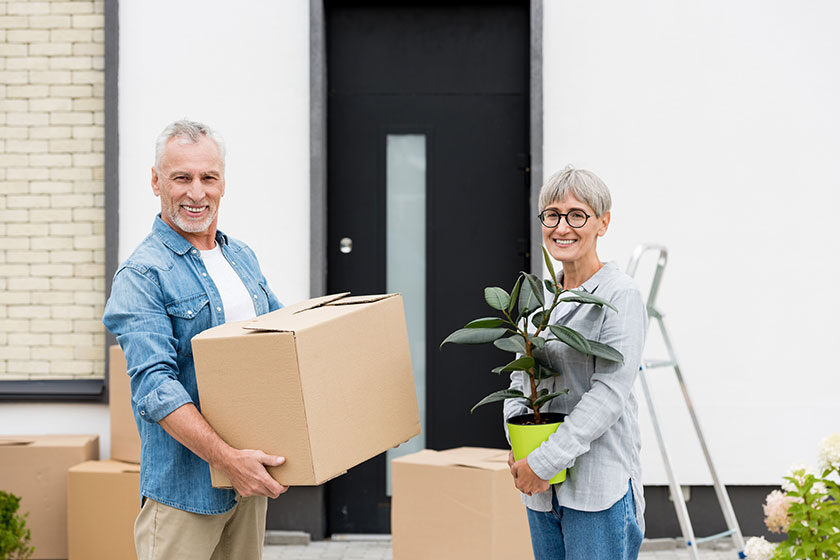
(599, 441)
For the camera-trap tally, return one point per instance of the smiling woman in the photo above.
(601, 500)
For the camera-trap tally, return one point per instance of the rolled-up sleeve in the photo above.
(611, 384)
(136, 315)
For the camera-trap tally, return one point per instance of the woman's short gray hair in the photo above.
(580, 183)
(191, 132)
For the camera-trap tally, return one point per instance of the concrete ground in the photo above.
(379, 548)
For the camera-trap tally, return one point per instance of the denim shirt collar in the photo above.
(174, 241)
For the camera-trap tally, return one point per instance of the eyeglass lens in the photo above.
(575, 218)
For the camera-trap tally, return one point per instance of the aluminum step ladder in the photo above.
(691, 540)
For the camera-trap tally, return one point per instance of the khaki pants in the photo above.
(162, 532)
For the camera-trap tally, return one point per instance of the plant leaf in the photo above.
(496, 298)
(583, 297)
(520, 364)
(474, 336)
(536, 288)
(537, 341)
(549, 286)
(548, 264)
(485, 322)
(605, 352)
(546, 372)
(500, 369)
(514, 344)
(499, 396)
(572, 338)
(545, 398)
(537, 318)
(527, 301)
(514, 295)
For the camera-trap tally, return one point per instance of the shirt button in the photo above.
(218, 309)
(204, 274)
(189, 312)
(255, 296)
(142, 413)
(232, 262)
(194, 251)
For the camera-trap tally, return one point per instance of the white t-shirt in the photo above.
(236, 300)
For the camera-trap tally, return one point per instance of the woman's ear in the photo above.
(605, 223)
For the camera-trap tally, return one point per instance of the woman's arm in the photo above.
(611, 384)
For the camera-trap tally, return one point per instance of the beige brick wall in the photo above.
(52, 190)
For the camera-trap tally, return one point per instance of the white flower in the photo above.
(819, 488)
(798, 473)
(757, 548)
(828, 452)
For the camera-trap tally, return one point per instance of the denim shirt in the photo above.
(161, 297)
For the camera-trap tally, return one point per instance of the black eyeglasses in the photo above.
(576, 218)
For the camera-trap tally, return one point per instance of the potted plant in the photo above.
(523, 329)
(14, 536)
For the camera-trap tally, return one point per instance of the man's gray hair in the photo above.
(580, 183)
(191, 132)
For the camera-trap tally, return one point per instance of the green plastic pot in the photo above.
(525, 436)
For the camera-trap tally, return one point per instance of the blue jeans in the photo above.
(569, 534)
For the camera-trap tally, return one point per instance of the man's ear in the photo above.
(605, 223)
(155, 184)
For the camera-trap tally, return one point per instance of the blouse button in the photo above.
(218, 309)
(189, 312)
(204, 274)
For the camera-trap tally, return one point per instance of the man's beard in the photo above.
(191, 226)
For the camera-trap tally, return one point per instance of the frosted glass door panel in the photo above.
(405, 180)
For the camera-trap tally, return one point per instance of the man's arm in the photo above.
(245, 468)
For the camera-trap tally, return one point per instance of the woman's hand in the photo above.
(525, 480)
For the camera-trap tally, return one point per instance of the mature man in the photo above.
(185, 277)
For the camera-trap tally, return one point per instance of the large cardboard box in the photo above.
(103, 500)
(326, 383)
(125, 440)
(35, 468)
(456, 504)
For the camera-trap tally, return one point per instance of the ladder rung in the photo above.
(714, 537)
(652, 364)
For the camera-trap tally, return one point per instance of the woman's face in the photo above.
(568, 244)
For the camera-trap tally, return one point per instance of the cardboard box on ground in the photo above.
(456, 504)
(103, 500)
(35, 468)
(125, 439)
(326, 383)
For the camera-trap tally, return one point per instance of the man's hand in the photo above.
(525, 480)
(246, 469)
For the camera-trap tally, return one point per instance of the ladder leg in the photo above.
(720, 490)
(676, 491)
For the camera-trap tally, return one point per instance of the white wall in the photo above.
(243, 68)
(715, 125)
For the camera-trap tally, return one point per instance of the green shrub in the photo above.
(14, 536)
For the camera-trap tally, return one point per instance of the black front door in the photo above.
(427, 189)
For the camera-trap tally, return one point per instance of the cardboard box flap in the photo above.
(470, 457)
(353, 300)
(294, 317)
(9, 441)
(109, 466)
(278, 321)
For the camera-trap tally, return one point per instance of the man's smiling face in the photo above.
(190, 182)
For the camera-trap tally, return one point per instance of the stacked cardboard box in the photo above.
(103, 501)
(125, 441)
(35, 468)
(103, 497)
(326, 383)
(455, 504)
